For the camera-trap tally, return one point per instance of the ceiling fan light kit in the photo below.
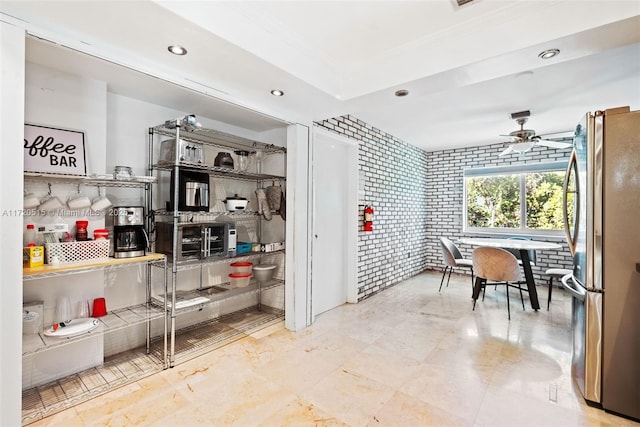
(525, 139)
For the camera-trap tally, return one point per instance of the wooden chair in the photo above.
(557, 273)
(498, 266)
(453, 259)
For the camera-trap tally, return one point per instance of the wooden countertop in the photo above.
(61, 268)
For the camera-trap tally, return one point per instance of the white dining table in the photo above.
(524, 246)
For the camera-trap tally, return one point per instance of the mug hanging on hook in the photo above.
(101, 202)
(51, 202)
(78, 200)
(30, 201)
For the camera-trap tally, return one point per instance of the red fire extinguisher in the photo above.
(368, 218)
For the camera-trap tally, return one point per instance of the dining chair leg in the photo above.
(476, 290)
(521, 297)
(449, 277)
(443, 274)
(508, 306)
(471, 282)
(550, 289)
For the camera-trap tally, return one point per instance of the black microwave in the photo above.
(197, 240)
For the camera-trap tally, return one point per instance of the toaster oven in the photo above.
(197, 240)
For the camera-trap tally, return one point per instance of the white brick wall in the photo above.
(417, 197)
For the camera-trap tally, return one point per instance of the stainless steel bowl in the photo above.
(263, 272)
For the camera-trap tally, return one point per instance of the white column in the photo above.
(12, 78)
(298, 281)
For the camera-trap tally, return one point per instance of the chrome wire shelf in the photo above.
(204, 337)
(114, 321)
(117, 371)
(189, 217)
(101, 181)
(216, 138)
(196, 299)
(194, 264)
(218, 171)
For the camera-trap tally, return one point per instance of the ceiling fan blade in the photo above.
(562, 135)
(506, 151)
(553, 144)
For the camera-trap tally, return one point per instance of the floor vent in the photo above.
(463, 2)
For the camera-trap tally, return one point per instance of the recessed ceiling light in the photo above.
(177, 50)
(549, 53)
(277, 92)
(402, 92)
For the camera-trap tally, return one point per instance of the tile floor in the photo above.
(409, 356)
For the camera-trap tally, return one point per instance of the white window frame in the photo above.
(520, 170)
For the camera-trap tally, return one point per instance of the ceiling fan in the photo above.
(523, 139)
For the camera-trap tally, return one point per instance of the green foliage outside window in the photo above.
(544, 200)
(494, 201)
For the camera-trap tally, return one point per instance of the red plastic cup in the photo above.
(99, 307)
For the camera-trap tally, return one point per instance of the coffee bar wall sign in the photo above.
(52, 150)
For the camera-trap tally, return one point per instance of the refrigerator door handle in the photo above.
(572, 235)
(576, 291)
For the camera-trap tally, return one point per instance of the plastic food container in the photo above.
(100, 233)
(241, 267)
(239, 280)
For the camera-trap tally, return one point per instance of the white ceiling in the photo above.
(467, 68)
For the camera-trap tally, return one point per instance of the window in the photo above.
(524, 199)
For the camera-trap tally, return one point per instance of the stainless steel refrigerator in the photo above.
(602, 200)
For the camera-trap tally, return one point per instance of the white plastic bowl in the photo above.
(239, 280)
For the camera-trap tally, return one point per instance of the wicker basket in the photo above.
(78, 251)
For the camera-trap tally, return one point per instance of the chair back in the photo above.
(449, 252)
(495, 264)
(516, 252)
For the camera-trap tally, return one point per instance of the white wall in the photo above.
(11, 158)
(67, 101)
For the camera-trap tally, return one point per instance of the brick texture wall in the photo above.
(418, 197)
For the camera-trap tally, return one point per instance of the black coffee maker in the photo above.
(126, 230)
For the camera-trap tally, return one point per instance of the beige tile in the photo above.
(383, 365)
(508, 408)
(403, 410)
(236, 398)
(301, 413)
(458, 390)
(349, 396)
